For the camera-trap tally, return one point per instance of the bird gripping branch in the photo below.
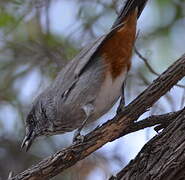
(90, 84)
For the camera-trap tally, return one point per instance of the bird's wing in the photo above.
(86, 54)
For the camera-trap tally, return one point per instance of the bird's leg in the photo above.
(122, 101)
(88, 109)
(77, 137)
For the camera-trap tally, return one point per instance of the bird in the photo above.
(90, 84)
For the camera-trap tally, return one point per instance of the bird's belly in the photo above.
(109, 93)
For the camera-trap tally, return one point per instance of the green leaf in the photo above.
(18, 2)
(6, 19)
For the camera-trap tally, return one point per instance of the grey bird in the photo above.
(90, 84)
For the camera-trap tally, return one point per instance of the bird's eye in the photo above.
(30, 119)
(44, 113)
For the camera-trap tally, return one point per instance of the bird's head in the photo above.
(31, 134)
(38, 121)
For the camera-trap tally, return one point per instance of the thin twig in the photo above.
(146, 62)
(150, 67)
(114, 3)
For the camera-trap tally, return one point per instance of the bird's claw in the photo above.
(10, 175)
(78, 138)
(120, 109)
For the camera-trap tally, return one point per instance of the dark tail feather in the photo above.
(128, 7)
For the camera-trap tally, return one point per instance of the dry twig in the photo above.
(150, 67)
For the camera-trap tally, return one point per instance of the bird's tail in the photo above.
(129, 6)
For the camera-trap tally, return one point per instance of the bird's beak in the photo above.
(28, 140)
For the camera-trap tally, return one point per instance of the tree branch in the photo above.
(109, 131)
(161, 120)
(162, 157)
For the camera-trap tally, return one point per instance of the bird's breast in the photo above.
(109, 93)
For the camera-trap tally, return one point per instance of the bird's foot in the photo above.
(121, 103)
(78, 138)
(120, 108)
(10, 175)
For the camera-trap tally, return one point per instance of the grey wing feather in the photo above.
(71, 93)
(69, 75)
(86, 54)
(75, 67)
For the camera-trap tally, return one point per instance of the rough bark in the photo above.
(162, 158)
(109, 131)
